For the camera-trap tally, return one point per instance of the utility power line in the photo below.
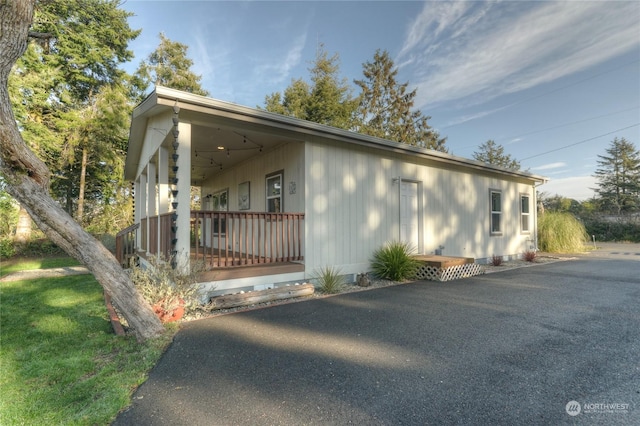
(571, 123)
(578, 143)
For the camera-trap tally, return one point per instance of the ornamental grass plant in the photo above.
(394, 261)
(561, 233)
(329, 280)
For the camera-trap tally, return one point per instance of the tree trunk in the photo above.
(28, 182)
(83, 177)
(23, 230)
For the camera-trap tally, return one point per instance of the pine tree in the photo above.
(618, 176)
(327, 100)
(493, 153)
(55, 87)
(386, 107)
(330, 101)
(169, 66)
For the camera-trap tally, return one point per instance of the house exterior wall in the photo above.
(352, 207)
(288, 158)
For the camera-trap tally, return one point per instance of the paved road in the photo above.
(508, 348)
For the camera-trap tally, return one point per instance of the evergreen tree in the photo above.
(56, 86)
(618, 176)
(330, 101)
(327, 100)
(386, 107)
(169, 66)
(293, 103)
(493, 153)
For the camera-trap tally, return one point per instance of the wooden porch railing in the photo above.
(126, 244)
(221, 239)
(225, 239)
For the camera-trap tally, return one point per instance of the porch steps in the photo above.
(446, 268)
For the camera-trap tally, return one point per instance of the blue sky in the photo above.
(553, 82)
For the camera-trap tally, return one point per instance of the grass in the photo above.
(60, 362)
(561, 233)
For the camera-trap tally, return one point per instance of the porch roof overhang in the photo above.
(224, 134)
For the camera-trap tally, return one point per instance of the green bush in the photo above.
(612, 231)
(7, 248)
(393, 261)
(561, 233)
(329, 280)
(161, 284)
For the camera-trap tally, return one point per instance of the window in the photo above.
(524, 213)
(220, 201)
(274, 192)
(496, 212)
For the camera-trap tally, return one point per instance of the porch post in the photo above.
(183, 198)
(143, 203)
(151, 199)
(163, 180)
(137, 207)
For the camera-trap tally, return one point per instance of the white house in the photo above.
(283, 197)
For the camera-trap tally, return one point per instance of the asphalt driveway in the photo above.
(515, 347)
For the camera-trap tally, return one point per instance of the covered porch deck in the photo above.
(229, 244)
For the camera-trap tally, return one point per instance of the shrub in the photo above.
(496, 260)
(161, 284)
(560, 233)
(329, 280)
(529, 255)
(7, 248)
(393, 261)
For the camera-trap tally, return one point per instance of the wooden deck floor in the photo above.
(443, 261)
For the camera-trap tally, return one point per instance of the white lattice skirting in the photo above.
(435, 273)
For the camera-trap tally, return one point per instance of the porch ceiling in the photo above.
(217, 146)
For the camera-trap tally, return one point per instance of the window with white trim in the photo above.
(496, 212)
(525, 214)
(220, 201)
(274, 192)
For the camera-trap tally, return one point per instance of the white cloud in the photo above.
(550, 166)
(484, 50)
(278, 68)
(576, 187)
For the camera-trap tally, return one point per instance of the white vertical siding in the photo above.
(352, 206)
(287, 157)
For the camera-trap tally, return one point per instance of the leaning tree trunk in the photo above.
(28, 182)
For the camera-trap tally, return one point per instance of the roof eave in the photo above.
(166, 97)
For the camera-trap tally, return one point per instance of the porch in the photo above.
(229, 244)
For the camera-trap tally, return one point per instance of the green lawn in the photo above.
(60, 362)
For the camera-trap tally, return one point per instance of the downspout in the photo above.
(535, 203)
